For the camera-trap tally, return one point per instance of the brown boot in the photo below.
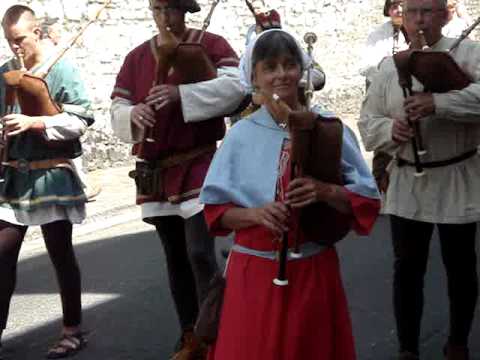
(202, 352)
(455, 352)
(191, 348)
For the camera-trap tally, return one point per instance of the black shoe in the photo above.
(407, 355)
(225, 252)
(455, 352)
(1, 352)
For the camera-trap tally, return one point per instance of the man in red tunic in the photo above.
(174, 120)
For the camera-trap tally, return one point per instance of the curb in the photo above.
(96, 222)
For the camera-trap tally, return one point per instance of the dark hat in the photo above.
(190, 6)
(388, 5)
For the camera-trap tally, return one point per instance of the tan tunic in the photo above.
(449, 194)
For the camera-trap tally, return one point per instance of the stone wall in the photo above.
(341, 25)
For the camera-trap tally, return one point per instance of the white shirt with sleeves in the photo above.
(448, 194)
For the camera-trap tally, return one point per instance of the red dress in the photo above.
(306, 320)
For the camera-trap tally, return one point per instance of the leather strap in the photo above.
(25, 166)
(434, 164)
(183, 157)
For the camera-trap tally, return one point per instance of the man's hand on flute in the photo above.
(402, 132)
(419, 106)
(142, 116)
(161, 95)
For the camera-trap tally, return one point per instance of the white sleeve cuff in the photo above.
(120, 112)
(64, 126)
(208, 99)
(441, 104)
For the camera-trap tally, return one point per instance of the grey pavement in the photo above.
(129, 313)
(127, 306)
(367, 267)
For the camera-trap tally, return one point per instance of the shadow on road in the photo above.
(138, 321)
(367, 268)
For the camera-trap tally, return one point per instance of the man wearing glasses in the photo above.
(446, 196)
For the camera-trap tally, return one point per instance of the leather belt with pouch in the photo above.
(148, 174)
(25, 166)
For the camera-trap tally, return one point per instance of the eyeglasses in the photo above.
(424, 12)
(162, 9)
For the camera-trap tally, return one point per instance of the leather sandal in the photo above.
(67, 345)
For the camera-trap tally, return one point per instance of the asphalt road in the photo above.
(129, 313)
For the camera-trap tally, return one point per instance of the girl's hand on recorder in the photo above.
(273, 215)
(306, 190)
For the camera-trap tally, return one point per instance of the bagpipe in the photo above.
(30, 91)
(187, 59)
(436, 71)
(402, 62)
(11, 99)
(316, 151)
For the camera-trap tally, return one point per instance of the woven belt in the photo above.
(434, 164)
(25, 166)
(183, 157)
(307, 249)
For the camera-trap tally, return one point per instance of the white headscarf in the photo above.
(246, 60)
